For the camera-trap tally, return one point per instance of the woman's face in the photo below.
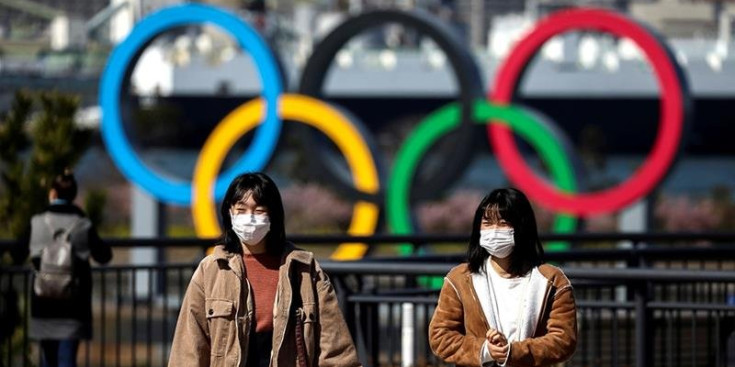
(247, 205)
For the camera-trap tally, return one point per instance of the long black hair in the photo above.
(512, 206)
(265, 192)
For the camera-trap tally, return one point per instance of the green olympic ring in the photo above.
(529, 126)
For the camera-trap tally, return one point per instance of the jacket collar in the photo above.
(233, 260)
(290, 253)
(65, 209)
(532, 305)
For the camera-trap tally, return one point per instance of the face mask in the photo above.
(250, 228)
(498, 242)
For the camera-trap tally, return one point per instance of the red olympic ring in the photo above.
(674, 102)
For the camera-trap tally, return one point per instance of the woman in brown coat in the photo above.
(256, 301)
(505, 306)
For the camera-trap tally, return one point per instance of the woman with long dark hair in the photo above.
(505, 306)
(256, 301)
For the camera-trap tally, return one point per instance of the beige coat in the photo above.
(217, 312)
(458, 327)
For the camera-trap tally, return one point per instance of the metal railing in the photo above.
(642, 317)
(644, 305)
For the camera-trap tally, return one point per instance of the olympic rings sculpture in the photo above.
(367, 183)
(118, 70)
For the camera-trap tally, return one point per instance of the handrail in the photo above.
(335, 268)
(611, 274)
(716, 237)
(636, 307)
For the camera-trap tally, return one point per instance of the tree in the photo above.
(35, 146)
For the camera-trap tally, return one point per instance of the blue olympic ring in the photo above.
(266, 137)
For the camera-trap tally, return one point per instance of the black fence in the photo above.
(652, 300)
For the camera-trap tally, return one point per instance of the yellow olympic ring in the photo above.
(299, 108)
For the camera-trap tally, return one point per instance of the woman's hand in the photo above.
(498, 345)
(495, 337)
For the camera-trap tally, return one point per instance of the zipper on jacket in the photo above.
(276, 301)
(288, 312)
(244, 330)
(237, 310)
(237, 324)
(300, 342)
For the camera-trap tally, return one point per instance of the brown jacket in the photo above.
(458, 327)
(217, 311)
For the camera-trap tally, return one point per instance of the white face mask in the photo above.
(498, 242)
(250, 228)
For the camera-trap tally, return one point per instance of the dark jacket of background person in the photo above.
(457, 330)
(65, 319)
(217, 312)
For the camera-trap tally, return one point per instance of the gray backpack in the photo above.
(55, 277)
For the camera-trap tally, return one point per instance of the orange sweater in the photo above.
(262, 272)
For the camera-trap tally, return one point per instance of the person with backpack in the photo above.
(61, 242)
